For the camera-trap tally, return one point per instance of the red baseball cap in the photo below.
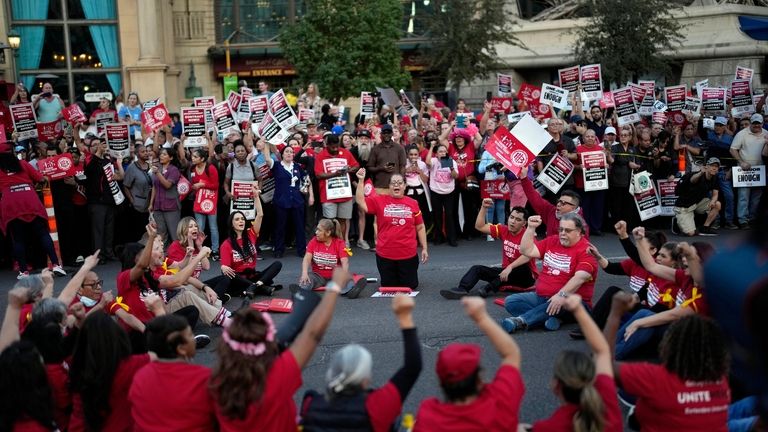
(457, 362)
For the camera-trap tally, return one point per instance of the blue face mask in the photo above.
(88, 302)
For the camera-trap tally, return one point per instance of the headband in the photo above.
(249, 348)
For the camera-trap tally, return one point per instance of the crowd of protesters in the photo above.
(87, 361)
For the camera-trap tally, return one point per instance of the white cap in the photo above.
(610, 130)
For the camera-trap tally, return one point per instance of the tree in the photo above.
(464, 35)
(347, 46)
(628, 37)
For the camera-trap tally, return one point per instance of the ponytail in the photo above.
(575, 372)
(590, 416)
(336, 229)
(331, 225)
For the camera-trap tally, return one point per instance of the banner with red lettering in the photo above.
(259, 106)
(502, 105)
(305, 115)
(242, 198)
(518, 148)
(591, 77)
(675, 97)
(233, 100)
(638, 93)
(74, 115)
(282, 111)
(205, 201)
(556, 173)
(594, 168)
(244, 109)
(118, 140)
(270, 130)
(57, 167)
(193, 126)
(504, 85)
(648, 203)
(626, 110)
(155, 118)
(104, 118)
(49, 131)
(741, 98)
(667, 196)
(207, 103)
(494, 189)
(713, 99)
(24, 121)
(743, 73)
(569, 78)
(223, 119)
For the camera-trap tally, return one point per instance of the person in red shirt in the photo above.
(584, 383)
(399, 223)
(348, 403)
(567, 268)
(205, 184)
(516, 270)
(471, 404)
(171, 394)
(239, 256)
(253, 383)
(689, 390)
(332, 168)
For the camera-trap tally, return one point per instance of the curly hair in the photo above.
(238, 379)
(694, 349)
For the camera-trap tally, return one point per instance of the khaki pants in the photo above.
(685, 215)
(212, 314)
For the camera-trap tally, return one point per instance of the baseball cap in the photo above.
(457, 362)
(577, 119)
(713, 161)
(337, 130)
(386, 128)
(311, 121)
(364, 133)
(756, 118)
(721, 120)
(610, 130)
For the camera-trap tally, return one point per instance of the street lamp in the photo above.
(14, 42)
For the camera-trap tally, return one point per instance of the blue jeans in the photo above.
(742, 415)
(726, 189)
(496, 213)
(749, 198)
(624, 349)
(532, 308)
(211, 219)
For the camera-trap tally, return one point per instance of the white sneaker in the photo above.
(58, 271)
(362, 244)
(489, 238)
(79, 259)
(22, 275)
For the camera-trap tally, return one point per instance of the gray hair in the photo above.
(34, 283)
(49, 310)
(576, 219)
(349, 368)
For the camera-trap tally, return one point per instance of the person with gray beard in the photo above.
(361, 150)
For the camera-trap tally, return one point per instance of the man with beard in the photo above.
(387, 158)
(567, 268)
(596, 122)
(515, 269)
(361, 152)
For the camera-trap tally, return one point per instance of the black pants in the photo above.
(102, 228)
(19, 229)
(136, 223)
(404, 273)
(470, 203)
(444, 204)
(519, 276)
(622, 207)
(602, 308)
(239, 283)
(420, 195)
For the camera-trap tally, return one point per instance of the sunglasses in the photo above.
(561, 202)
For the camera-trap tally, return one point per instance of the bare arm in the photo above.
(182, 276)
(650, 264)
(70, 290)
(504, 344)
(480, 223)
(10, 330)
(146, 255)
(527, 245)
(594, 337)
(360, 191)
(256, 226)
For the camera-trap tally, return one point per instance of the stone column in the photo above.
(149, 36)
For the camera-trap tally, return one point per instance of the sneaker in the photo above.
(202, 341)
(480, 291)
(265, 247)
(731, 226)
(357, 288)
(293, 288)
(745, 226)
(362, 244)
(489, 238)
(707, 231)
(576, 334)
(79, 259)
(453, 293)
(552, 323)
(513, 324)
(58, 271)
(22, 275)
(715, 225)
(214, 256)
(225, 298)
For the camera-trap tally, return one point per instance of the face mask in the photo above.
(88, 302)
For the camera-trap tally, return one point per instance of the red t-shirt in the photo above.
(510, 247)
(171, 396)
(562, 418)
(130, 292)
(464, 160)
(335, 162)
(326, 258)
(232, 258)
(560, 264)
(119, 418)
(667, 403)
(176, 253)
(495, 409)
(276, 411)
(26, 424)
(658, 289)
(397, 219)
(689, 295)
(58, 380)
(383, 406)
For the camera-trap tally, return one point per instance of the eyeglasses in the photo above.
(567, 230)
(396, 183)
(99, 282)
(561, 202)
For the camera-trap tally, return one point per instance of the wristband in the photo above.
(562, 294)
(332, 287)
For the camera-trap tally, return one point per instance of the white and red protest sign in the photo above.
(692, 106)
(753, 177)
(741, 98)
(504, 85)
(648, 85)
(648, 203)
(205, 201)
(638, 93)
(515, 117)
(594, 169)
(591, 77)
(57, 167)
(700, 85)
(246, 92)
(675, 97)
(74, 115)
(529, 93)
(193, 126)
(337, 187)
(183, 187)
(150, 103)
(223, 118)
(518, 148)
(625, 110)
(502, 105)
(556, 173)
(242, 198)
(494, 189)
(743, 73)
(155, 117)
(645, 107)
(266, 182)
(607, 100)
(659, 117)
(206, 102)
(49, 131)
(667, 196)
(118, 140)
(103, 118)
(305, 114)
(270, 130)
(233, 100)
(282, 111)
(554, 96)
(24, 121)
(367, 105)
(244, 109)
(569, 78)
(713, 99)
(259, 106)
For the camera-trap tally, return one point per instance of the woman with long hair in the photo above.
(205, 182)
(417, 180)
(26, 400)
(442, 184)
(131, 113)
(164, 202)
(21, 212)
(253, 383)
(100, 375)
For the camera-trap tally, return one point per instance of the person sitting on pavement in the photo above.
(567, 268)
(568, 202)
(516, 269)
(470, 403)
(348, 402)
(697, 194)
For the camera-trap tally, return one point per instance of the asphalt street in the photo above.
(369, 321)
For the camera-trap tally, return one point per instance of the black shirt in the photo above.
(690, 193)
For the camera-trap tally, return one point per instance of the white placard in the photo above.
(753, 177)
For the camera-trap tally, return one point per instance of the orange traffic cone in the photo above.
(48, 202)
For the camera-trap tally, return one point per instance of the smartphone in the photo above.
(488, 96)
(446, 162)
(390, 164)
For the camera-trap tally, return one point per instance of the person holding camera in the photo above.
(48, 105)
(386, 159)
(443, 171)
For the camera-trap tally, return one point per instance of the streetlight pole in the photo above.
(14, 42)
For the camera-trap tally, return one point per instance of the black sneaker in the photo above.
(480, 291)
(225, 298)
(707, 231)
(202, 341)
(357, 288)
(453, 293)
(214, 256)
(293, 288)
(576, 334)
